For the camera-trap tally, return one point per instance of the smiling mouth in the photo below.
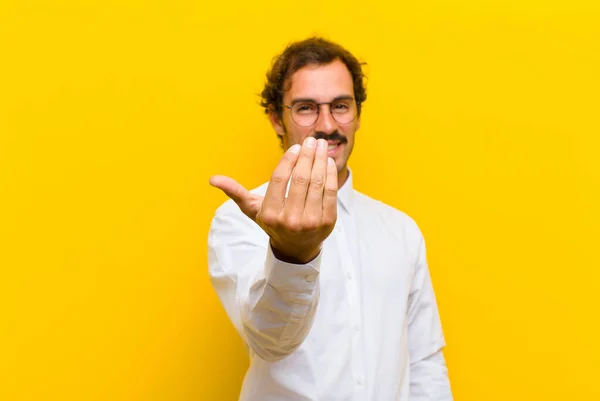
(333, 145)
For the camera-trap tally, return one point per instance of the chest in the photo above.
(364, 258)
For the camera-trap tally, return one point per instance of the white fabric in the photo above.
(358, 323)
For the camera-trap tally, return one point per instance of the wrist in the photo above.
(295, 256)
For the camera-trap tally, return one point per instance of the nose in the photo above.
(325, 122)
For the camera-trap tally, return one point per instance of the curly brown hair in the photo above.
(314, 50)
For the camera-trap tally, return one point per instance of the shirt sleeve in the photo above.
(271, 303)
(428, 372)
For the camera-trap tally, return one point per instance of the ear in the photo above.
(276, 122)
(358, 123)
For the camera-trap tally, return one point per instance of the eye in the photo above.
(305, 108)
(340, 107)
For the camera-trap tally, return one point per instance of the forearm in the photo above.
(273, 309)
(429, 379)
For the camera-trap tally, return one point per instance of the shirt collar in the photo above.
(346, 193)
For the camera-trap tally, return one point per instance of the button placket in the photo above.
(352, 289)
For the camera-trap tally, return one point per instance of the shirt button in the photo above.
(349, 275)
(359, 380)
(311, 278)
(357, 327)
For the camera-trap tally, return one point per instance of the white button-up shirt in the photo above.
(358, 323)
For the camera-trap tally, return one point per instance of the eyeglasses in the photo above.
(306, 113)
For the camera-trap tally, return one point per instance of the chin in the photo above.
(340, 166)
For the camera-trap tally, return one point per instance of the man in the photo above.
(328, 288)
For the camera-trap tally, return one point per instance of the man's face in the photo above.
(320, 83)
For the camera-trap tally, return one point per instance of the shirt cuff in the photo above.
(292, 277)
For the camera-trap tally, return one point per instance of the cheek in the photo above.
(298, 134)
(349, 132)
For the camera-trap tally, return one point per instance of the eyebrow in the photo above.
(307, 99)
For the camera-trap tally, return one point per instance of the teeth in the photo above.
(331, 147)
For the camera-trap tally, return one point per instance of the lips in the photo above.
(332, 144)
(333, 148)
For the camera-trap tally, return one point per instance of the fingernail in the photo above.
(331, 161)
(295, 148)
(310, 142)
(322, 144)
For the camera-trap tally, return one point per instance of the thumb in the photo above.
(247, 202)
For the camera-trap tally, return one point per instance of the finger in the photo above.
(246, 201)
(294, 204)
(275, 194)
(314, 198)
(330, 193)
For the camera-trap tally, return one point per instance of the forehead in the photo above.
(321, 82)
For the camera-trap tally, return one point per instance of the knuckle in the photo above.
(330, 191)
(270, 219)
(317, 182)
(293, 224)
(278, 179)
(312, 223)
(300, 180)
(329, 219)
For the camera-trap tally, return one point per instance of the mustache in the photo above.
(334, 136)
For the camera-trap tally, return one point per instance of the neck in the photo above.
(343, 177)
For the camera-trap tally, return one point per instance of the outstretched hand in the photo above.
(299, 223)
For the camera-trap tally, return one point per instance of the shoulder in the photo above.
(389, 217)
(396, 229)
